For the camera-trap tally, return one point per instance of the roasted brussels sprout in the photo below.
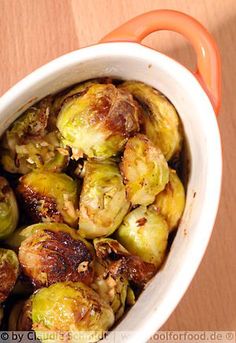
(171, 201)
(30, 143)
(161, 122)
(145, 170)
(98, 122)
(55, 252)
(8, 209)
(49, 197)
(20, 316)
(9, 271)
(103, 202)
(90, 162)
(120, 262)
(70, 308)
(112, 289)
(144, 232)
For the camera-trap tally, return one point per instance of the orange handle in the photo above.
(208, 57)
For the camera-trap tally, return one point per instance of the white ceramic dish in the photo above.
(128, 60)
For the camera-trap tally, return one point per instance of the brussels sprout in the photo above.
(170, 202)
(20, 316)
(161, 122)
(70, 308)
(8, 209)
(49, 197)
(120, 262)
(103, 202)
(110, 288)
(99, 122)
(29, 144)
(145, 170)
(144, 232)
(9, 271)
(54, 252)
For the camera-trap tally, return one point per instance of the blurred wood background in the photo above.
(32, 32)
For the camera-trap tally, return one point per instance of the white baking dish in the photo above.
(131, 60)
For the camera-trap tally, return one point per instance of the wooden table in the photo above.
(32, 32)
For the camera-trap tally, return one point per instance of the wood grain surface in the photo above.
(32, 32)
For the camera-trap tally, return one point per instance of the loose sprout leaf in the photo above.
(98, 122)
(144, 232)
(103, 202)
(160, 120)
(145, 170)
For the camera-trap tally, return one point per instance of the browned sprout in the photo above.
(9, 271)
(98, 122)
(31, 142)
(55, 252)
(145, 170)
(119, 261)
(70, 308)
(49, 197)
(90, 162)
(161, 122)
